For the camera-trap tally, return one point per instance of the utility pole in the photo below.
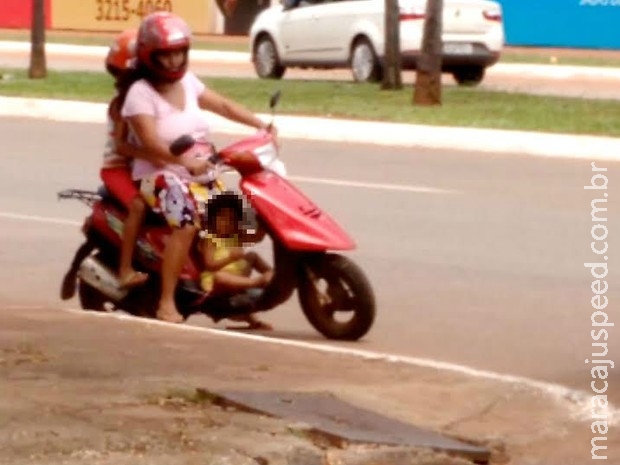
(38, 67)
(391, 69)
(427, 89)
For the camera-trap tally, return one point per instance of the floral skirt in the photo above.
(169, 195)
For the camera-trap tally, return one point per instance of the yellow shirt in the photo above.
(223, 245)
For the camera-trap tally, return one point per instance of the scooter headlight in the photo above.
(268, 157)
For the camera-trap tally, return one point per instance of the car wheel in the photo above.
(266, 61)
(364, 63)
(469, 76)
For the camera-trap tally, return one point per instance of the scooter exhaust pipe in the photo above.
(97, 275)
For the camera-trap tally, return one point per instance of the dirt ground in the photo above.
(80, 388)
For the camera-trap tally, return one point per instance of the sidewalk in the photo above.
(66, 399)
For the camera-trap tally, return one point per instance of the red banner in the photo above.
(17, 14)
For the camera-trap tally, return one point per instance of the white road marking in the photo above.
(39, 219)
(369, 185)
(362, 185)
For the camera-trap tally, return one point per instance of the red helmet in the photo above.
(162, 32)
(122, 52)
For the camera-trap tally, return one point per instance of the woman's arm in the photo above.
(216, 103)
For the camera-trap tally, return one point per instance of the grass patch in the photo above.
(537, 58)
(468, 107)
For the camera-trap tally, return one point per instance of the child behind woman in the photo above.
(116, 167)
(118, 155)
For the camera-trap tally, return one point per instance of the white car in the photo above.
(350, 33)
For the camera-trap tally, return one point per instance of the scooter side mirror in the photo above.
(182, 144)
(275, 98)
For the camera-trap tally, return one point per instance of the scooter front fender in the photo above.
(299, 224)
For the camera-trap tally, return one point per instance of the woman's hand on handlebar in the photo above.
(273, 131)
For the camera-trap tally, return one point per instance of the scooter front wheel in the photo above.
(331, 285)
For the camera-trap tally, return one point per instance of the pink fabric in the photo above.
(171, 122)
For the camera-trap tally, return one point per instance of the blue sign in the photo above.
(562, 23)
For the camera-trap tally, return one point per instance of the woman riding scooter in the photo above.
(162, 106)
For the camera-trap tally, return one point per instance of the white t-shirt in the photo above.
(171, 123)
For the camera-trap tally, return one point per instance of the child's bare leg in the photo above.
(259, 264)
(252, 321)
(127, 275)
(234, 283)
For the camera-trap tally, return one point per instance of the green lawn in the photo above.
(470, 107)
(514, 57)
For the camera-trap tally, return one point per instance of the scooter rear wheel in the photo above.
(346, 289)
(91, 298)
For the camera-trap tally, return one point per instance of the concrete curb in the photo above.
(379, 133)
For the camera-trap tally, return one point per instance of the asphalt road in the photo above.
(496, 79)
(486, 271)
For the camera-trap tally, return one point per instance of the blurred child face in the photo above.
(226, 222)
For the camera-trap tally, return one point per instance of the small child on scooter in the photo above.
(228, 267)
(116, 169)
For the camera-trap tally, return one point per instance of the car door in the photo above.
(333, 23)
(298, 30)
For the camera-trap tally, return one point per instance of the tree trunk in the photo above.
(427, 90)
(38, 67)
(391, 68)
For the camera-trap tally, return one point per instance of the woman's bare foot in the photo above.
(132, 278)
(171, 315)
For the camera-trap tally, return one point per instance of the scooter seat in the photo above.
(152, 218)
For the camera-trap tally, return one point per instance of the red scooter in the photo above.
(303, 237)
